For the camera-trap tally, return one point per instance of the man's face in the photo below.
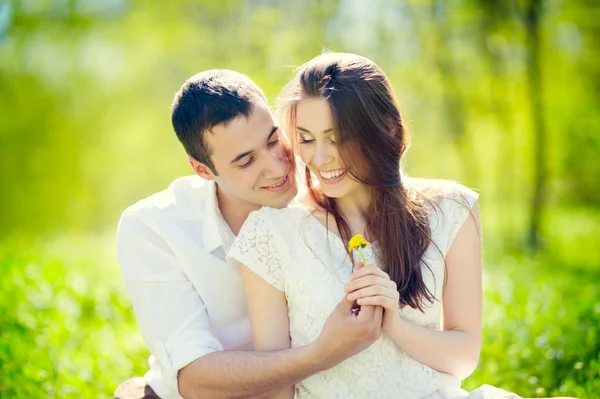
(251, 158)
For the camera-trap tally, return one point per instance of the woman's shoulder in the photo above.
(448, 203)
(268, 225)
(440, 191)
(291, 212)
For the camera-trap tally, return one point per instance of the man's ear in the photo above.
(201, 169)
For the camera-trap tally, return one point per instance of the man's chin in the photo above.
(283, 199)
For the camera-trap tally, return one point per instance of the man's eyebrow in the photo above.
(246, 153)
(308, 131)
(240, 156)
(273, 130)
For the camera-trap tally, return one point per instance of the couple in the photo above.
(235, 300)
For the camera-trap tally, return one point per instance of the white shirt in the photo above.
(188, 301)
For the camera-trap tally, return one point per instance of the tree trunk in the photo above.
(540, 172)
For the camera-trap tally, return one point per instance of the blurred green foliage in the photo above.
(67, 329)
(501, 96)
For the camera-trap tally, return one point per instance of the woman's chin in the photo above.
(334, 192)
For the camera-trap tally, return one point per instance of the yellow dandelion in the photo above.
(358, 242)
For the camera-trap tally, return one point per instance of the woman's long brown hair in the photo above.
(371, 141)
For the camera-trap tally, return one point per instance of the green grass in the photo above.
(66, 325)
(541, 333)
(67, 328)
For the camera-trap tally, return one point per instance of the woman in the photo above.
(344, 120)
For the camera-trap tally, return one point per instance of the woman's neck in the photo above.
(355, 207)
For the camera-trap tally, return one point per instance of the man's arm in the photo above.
(170, 314)
(258, 374)
(248, 374)
(176, 328)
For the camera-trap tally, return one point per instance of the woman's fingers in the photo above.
(379, 300)
(367, 270)
(369, 285)
(373, 290)
(368, 281)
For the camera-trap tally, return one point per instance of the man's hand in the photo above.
(346, 333)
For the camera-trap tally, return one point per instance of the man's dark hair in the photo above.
(207, 99)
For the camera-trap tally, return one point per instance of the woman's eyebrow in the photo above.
(308, 131)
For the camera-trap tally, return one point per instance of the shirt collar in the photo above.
(213, 220)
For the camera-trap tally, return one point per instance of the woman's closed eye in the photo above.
(305, 139)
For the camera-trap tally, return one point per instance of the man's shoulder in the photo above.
(183, 198)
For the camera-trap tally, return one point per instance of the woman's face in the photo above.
(318, 149)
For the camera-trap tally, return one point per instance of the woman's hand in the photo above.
(369, 285)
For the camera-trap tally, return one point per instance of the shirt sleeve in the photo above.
(169, 311)
(457, 207)
(256, 247)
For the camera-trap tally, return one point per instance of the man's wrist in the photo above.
(319, 357)
(324, 355)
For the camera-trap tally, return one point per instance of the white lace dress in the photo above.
(291, 250)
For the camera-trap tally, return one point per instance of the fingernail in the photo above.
(350, 297)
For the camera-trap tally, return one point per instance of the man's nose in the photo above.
(276, 164)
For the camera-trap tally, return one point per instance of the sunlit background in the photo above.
(502, 96)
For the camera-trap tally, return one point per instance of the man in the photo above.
(188, 301)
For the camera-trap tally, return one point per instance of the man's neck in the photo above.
(234, 211)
